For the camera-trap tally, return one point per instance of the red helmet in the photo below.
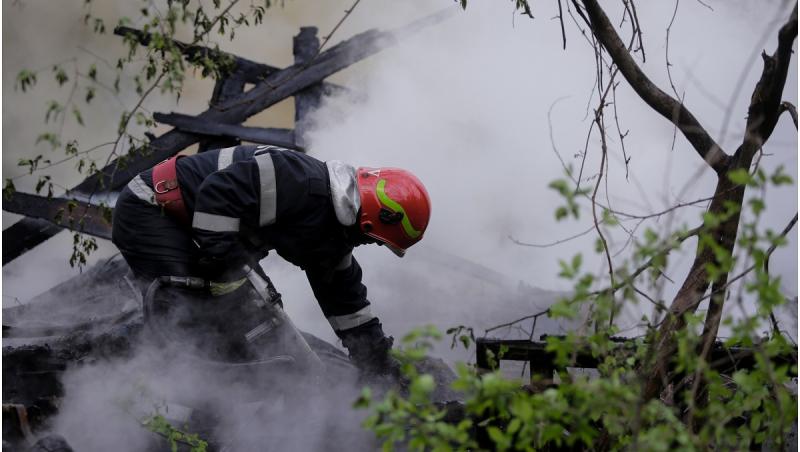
(395, 207)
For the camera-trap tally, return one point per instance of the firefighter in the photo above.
(209, 215)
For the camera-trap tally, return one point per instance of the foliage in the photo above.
(702, 404)
(742, 408)
(174, 436)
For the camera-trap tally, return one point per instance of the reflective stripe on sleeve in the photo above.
(345, 263)
(266, 175)
(345, 322)
(225, 158)
(139, 188)
(215, 223)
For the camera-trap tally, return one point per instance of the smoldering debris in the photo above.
(104, 384)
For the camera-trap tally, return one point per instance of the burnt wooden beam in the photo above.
(31, 232)
(275, 136)
(24, 235)
(62, 213)
(274, 88)
(305, 48)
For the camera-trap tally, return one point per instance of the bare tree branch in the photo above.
(657, 99)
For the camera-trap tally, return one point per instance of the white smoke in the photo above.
(466, 106)
(106, 406)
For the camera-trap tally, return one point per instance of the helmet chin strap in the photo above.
(356, 237)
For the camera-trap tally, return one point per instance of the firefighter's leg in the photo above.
(152, 243)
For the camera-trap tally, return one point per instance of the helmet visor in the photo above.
(399, 252)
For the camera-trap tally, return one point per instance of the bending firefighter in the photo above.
(212, 216)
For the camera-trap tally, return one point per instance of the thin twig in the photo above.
(551, 244)
(514, 322)
(561, 20)
(327, 38)
(749, 269)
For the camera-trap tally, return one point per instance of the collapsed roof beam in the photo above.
(262, 135)
(61, 212)
(24, 235)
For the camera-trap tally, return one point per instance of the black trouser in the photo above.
(152, 243)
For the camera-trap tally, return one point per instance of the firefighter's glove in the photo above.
(370, 351)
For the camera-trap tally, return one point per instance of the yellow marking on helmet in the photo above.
(395, 206)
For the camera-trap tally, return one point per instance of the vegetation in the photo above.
(174, 436)
(663, 393)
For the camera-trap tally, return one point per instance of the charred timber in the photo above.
(62, 213)
(25, 235)
(305, 48)
(278, 137)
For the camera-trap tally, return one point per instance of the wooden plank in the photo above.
(274, 136)
(64, 213)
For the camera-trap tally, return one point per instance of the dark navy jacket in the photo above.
(247, 200)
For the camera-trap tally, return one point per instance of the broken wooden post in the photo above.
(262, 135)
(306, 48)
(225, 88)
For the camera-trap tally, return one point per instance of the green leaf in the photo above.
(77, 114)
(779, 177)
(8, 189)
(563, 309)
(364, 399)
(740, 176)
(60, 75)
(25, 80)
(757, 205)
(561, 186)
(501, 441)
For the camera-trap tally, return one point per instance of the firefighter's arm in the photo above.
(341, 294)
(225, 201)
(343, 298)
